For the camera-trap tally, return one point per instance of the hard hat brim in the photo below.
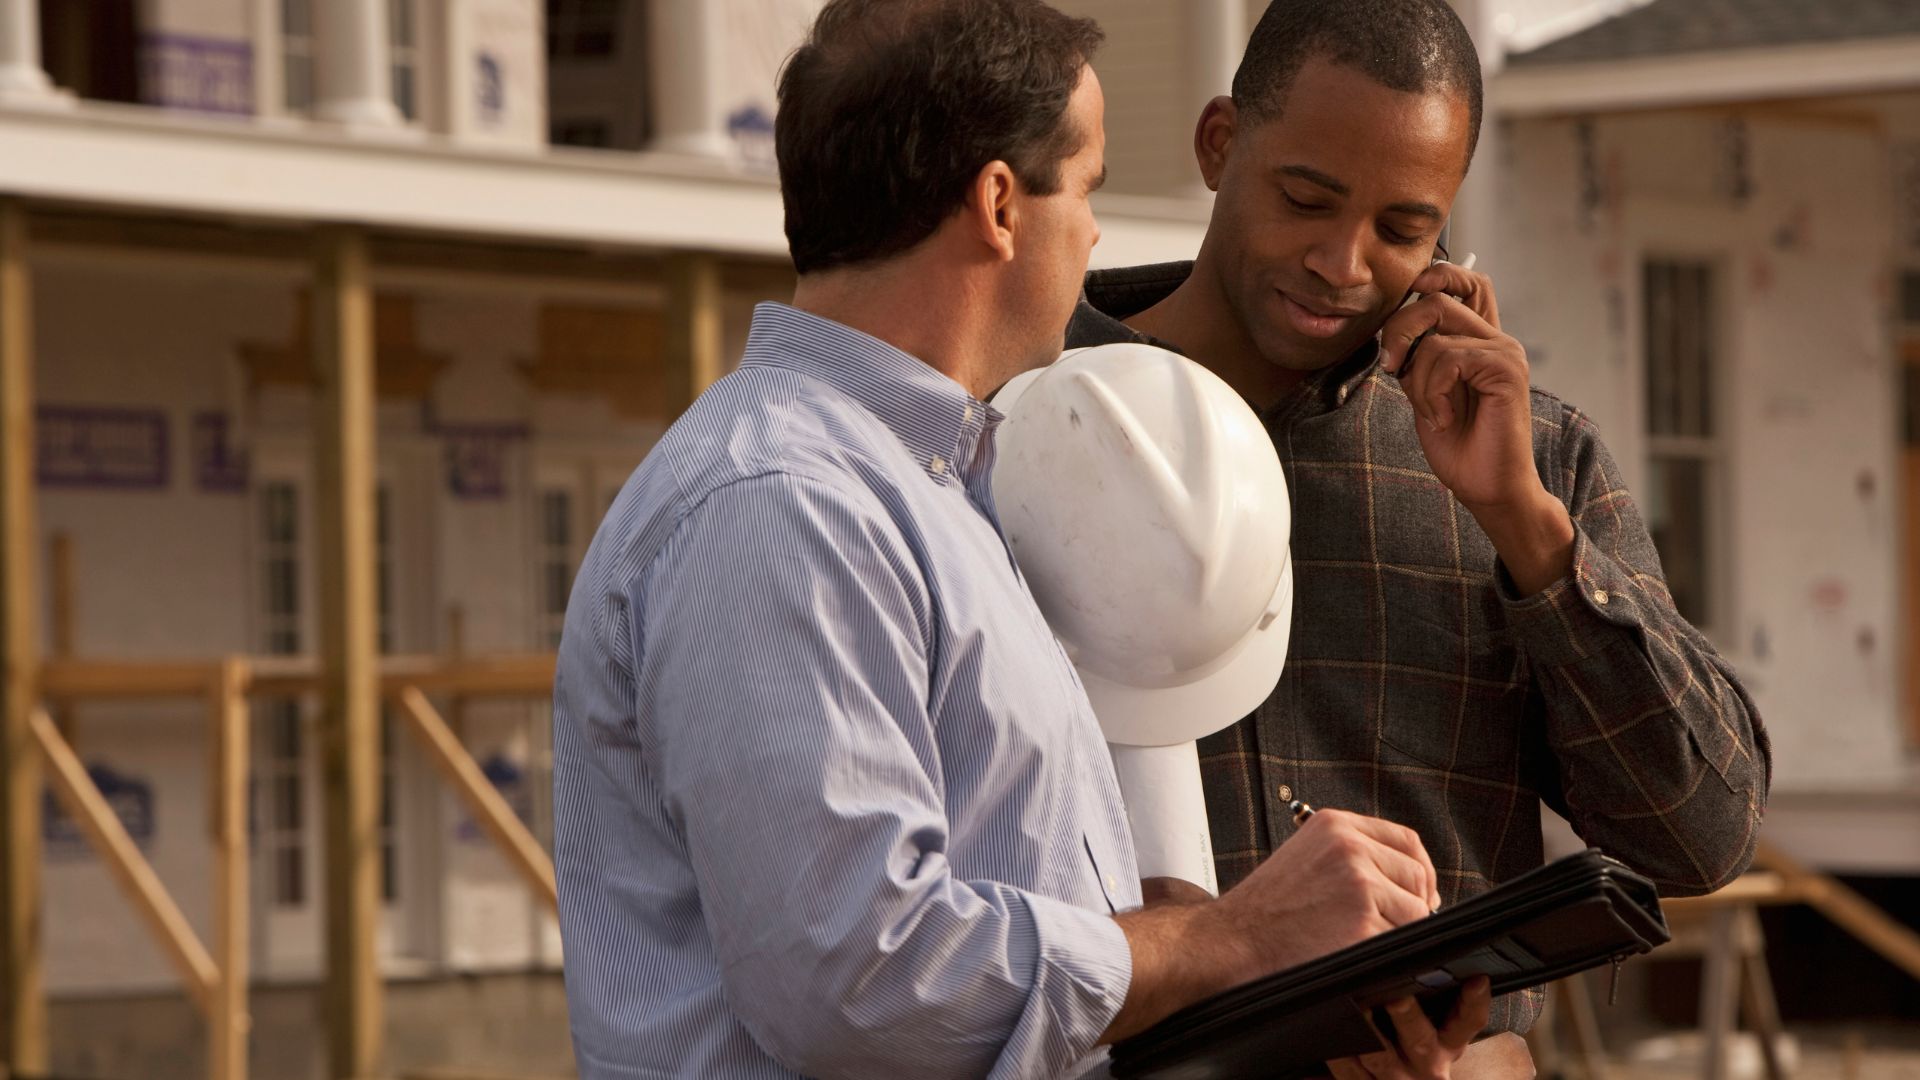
(1168, 716)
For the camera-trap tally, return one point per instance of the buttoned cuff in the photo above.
(1083, 969)
(1576, 617)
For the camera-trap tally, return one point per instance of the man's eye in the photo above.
(1305, 208)
(1395, 236)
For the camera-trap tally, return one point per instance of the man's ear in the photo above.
(992, 211)
(1213, 138)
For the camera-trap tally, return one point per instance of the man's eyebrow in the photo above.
(1314, 176)
(1417, 209)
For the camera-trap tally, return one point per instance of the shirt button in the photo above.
(1600, 597)
(939, 465)
(966, 414)
(1112, 884)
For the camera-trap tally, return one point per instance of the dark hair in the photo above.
(892, 107)
(1415, 46)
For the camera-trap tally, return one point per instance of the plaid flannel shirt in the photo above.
(1421, 688)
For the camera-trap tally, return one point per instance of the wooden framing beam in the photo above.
(77, 793)
(112, 680)
(503, 675)
(350, 687)
(695, 325)
(23, 1006)
(1848, 909)
(1756, 887)
(230, 1020)
(512, 836)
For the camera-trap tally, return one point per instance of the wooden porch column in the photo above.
(229, 1020)
(349, 677)
(694, 324)
(23, 1027)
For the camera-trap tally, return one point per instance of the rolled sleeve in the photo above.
(786, 719)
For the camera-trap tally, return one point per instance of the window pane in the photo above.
(1680, 342)
(284, 740)
(286, 803)
(299, 83)
(289, 877)
(282, 594)
(389, 873)
(295, 18)
(1677, 518)
(403, 89)
(280, 511)
(401, 12)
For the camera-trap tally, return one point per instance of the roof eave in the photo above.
(1735, 75)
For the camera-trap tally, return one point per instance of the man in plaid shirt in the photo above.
(1480, 620)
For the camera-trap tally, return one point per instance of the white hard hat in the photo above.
(1147, 509)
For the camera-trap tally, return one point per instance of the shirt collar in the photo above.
(935, 418)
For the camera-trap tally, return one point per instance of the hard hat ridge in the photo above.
(1148, 511)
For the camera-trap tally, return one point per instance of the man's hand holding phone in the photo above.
(1470, 387)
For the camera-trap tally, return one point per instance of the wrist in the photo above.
(1534, 538)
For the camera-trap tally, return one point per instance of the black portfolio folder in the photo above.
(1570, 915)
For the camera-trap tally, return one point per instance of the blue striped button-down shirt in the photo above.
(829, 798)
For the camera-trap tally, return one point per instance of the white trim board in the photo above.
(148, 161)
(1787, 71)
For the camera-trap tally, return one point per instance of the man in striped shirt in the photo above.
(829, 798)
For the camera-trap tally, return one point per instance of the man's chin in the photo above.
(1308, 355)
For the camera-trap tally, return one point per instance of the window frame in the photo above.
(1703, 394)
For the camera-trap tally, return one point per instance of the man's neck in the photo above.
(911, 309)
(1197, 318)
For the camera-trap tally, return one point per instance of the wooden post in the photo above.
(230, 1021)
(23, 1016)
(1719, 1005)
(350, 685)
(694, 328)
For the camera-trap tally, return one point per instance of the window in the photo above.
(583, 29)
(404, 42)
(93, 48)
(556, 561)
(283, 826)
(296, 50)
(595, 133)
(1683, 440)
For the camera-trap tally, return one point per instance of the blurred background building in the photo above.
(329, 327)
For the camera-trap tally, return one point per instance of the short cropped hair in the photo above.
(891, 108)
(1414, 46)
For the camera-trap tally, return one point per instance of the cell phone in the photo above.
(1407, 363)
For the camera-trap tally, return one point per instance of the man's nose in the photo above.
(1339, 258)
